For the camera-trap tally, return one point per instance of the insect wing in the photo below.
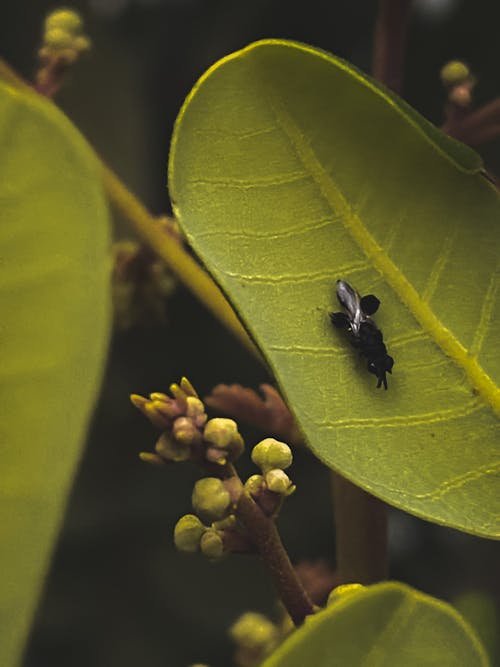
(351, 301)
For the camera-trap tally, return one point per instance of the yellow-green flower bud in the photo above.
(64, 19)
(58, 39)
(210, 498)
(454, 72)
(254, 632)
(185, 432)
(81, 43)
(221, 432)
(171, 449)
(271, 453)
(187, 387)
(188, 532)
(212, 544)
(254, 484)
(196, 410)
(278, 481)
(229, 523)
(340, 592)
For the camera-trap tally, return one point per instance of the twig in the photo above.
(389, 42)
(265, 535)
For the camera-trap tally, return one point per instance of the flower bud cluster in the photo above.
(269, 488)
(214, 500)
(459, 81)
(187, 432)
(63, 36)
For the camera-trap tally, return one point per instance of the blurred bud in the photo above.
(254, 484)
(82, 43)
(271, 453)
(212, 544)
(254, 632)
(64, 19)
(58, 39)
(188, 532)
(229, 523)
(278, 481)
(454, 73)
(210, 498)
(172, 450)
(154, 459)
(340, 592)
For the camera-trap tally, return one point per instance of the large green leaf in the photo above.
(288, 170)
(54, 305)
(386, 624)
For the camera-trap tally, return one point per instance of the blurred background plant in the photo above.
(118, 592)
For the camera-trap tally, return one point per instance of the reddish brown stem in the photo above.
(477, 127)
(361, 534)
(268, 542)
(389, 42)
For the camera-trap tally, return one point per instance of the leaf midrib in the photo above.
(351, 221)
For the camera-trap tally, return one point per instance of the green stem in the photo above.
(174, 255)
(182, 265)
(361, 534)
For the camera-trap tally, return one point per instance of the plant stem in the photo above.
(389, 42)
(265, 535)
(174, 255)
(361, 534)
(182, 265)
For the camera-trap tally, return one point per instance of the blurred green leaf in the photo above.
(288, 170)
(55, 311)
(384, 624)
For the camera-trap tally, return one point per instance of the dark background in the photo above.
(118, 593)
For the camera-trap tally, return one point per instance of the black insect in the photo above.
(363, 330)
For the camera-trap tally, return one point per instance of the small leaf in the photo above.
(55, 311)
(384, 624)
(288, 170)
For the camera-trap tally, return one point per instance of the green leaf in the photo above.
(55, 311)
(384, 624)
(288, 170)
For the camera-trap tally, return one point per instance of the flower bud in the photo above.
(271, 453)
(171, 449)
(185, 432)
(278, 481)
(254, 632)
(187, 387)
(196, 411)
(58, 39)
(210, 498)
(222, 434)
(64, 19)
(188, 532)
(254, 484)
(212, 544)
(339, 592)
(454, 73)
